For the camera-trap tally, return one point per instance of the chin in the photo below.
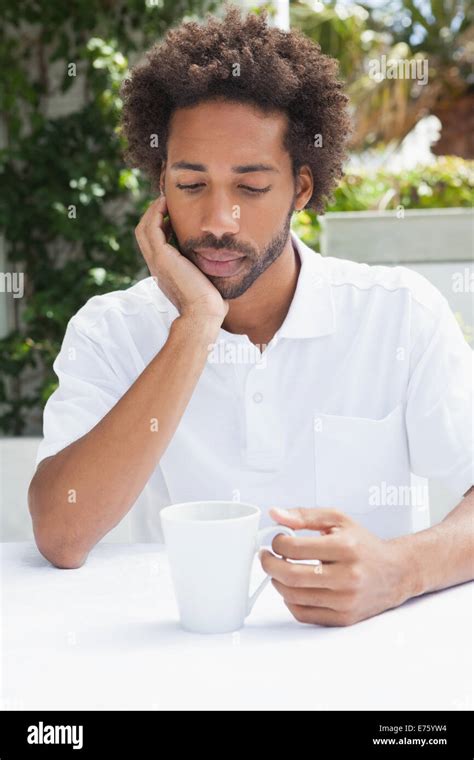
(230, 292)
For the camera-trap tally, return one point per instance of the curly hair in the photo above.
(277, 71)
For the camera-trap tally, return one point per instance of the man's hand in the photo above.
(179, 279)
(359, 575)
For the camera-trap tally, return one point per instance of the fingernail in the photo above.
(282, 512)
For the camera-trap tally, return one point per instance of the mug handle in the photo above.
(261, 534)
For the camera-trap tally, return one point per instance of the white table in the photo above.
(107, 636)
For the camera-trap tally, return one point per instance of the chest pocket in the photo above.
(357, 458)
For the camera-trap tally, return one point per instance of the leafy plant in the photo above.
(68, 206)
(435, 35)
(447, 182)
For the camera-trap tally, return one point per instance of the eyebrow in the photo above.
(246, 169)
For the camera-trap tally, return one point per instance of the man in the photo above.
(249, 367)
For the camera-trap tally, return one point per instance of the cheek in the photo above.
(268, 212)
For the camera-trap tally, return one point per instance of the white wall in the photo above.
(17, 467)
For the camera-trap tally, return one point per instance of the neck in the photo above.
(261, 310)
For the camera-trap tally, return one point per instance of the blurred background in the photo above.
(69, 206)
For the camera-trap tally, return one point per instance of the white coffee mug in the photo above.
(211, 546)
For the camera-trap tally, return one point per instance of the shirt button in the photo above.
(257, 397)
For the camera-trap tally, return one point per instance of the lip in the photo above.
(219, 263)
(222, 255)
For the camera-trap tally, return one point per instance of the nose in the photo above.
(220, 216)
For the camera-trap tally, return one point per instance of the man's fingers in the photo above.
(312, 597)
(312, 518)
(304, 576)
(166, 226)
(155, 207)
(151, 225)
(320, 615)
(154, 229)
(333, 547)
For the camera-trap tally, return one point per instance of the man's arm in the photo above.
(440, 556)
(82, 492)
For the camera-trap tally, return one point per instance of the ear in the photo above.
(304, 187)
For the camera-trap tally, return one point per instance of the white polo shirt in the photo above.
(367, 384)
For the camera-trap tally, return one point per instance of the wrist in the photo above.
(407, 559)
(202, 327)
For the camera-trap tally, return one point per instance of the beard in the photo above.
(259, 262)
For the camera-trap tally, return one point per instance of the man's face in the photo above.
(230, 191)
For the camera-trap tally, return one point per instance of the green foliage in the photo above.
(68, 206)
(448, 182)
(436, 33)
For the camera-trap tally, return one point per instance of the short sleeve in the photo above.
(439, 411)
(88, 388)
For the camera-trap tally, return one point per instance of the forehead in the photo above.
(226, 133)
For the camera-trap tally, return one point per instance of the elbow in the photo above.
(62, 564)
(60, 556)
(54, 549)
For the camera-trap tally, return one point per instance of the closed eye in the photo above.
(194, 188)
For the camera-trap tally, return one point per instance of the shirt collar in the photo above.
(311, 313)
